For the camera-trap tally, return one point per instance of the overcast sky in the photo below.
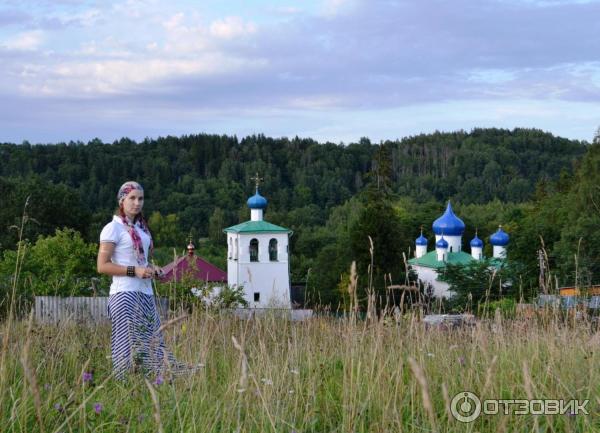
(332, 70)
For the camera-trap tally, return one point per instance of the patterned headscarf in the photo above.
(126, 188)
(138, 248)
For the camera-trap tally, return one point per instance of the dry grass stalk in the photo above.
(83, 370)
(371, 307)
(529, 390)
(498, 322)
(372, 254)
(503, 422)
(156, 404)
(80, 382)
(447, 401)
(352, 288)
(243, 382)
(30, 376)
(172, 322)
(420, 376)
(527, 381)
(488, 375)
(577, 263)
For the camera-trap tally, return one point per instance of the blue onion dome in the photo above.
(442, 243)
(500, 238)
(476, 242)
(421, 240)
(449, 224)
(257, 201)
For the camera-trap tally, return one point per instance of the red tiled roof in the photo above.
(204, 271)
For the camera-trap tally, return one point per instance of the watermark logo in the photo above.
(467, 407)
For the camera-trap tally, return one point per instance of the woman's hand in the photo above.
(158, 272)
(105, 265)
(142, 272)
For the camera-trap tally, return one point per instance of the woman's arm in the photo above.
(105, 266)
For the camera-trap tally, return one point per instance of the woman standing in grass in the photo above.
(125, 243)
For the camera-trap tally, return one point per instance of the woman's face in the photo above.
(133, 203)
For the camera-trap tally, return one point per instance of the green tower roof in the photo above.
(256, 227)
(430, 260)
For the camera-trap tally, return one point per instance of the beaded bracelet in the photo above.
(131, 271)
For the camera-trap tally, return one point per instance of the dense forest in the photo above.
(332, 195)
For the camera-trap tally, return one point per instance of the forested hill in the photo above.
(193, 175)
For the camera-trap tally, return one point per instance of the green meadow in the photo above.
(325, 374)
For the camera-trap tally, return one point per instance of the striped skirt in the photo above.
(136, 339)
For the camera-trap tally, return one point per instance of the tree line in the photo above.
(332, 195)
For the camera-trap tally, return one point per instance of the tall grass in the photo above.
(10, 302)
(322, 375)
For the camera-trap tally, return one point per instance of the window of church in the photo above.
(256, 296)
(235, 252)
(230, 249)
(273, 250)
(254, 250)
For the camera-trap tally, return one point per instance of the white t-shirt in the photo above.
(117, 233)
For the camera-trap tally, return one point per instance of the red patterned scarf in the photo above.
(138, 248)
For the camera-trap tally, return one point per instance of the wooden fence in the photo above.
(54, 309)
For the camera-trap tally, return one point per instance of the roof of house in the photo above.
(197, 266)
(256, 227)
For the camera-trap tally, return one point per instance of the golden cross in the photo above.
(256, 179)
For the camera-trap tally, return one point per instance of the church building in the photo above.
(258, 258)
(448, 231)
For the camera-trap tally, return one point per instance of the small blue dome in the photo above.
(257, 201)
(500, 238)
(476, 242)
(449, 224)
(421, 240)
(442, 243)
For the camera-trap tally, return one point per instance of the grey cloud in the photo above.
(440, 36)
(13, 17)
(382, 54)
(398, 53)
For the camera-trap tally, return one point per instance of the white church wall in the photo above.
(430, 276)
(232, 261)
(256, 214)
(263, 246)
(268, 280)
(454, 242)
(499, 252)
(420, 251)
(476, 253)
